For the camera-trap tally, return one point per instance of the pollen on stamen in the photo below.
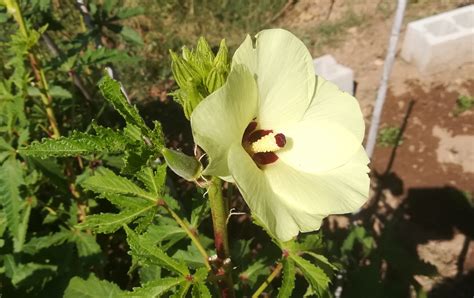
(269, 143)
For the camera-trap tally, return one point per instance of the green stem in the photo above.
(268, 281)
(14, 9)
(219, 211)
(190, 233)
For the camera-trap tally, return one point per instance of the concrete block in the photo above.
(443, 41)
(327, 67)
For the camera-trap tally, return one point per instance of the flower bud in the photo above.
(182, 165)
(183, 72)
(222, 57)
(203, 51)
(215, 79)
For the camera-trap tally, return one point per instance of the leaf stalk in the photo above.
(268, 281)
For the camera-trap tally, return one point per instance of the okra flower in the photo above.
(289, 140)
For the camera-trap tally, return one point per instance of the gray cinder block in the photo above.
(327, 67)
(439, 42)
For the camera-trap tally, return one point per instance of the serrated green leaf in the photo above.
(288, 282)
(102, 56)
(38, 243)
(322, 260)
(112, 92)
(11, 178)
(153, 180)
(106, 182)
(201, 274)
(59, 92)
(92, 288)
(128, 12)
(85, 243)
(254, 271)
(22, 228)
(149, 273)
(50, 169)
(315, 276)
(201, 210)
(19, 272)
(77, 143)
(109, 5)
(200, 290)
(182, 290)
(124, 202)
(157, 287)
(131, 35)
(135, 158)
(143, 249)
(109, 222)
(133, 132)
(192, 257)
(166, 235)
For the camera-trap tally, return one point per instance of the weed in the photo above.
(388, 137)
(332, 32)
(464, 103)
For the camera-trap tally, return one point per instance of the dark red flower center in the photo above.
(261, 144)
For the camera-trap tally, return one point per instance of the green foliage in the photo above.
(389, 137)
(463, 103)
(289, 275)
(315, 276)
(105, 141)
(15, 208)
(92, 287)
(158, 287)
(144, 250)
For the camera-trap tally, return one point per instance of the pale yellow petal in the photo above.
(316, 146)
(340, 190)
(261, 199)
(285, 76)
(221, 118)
(332, 104)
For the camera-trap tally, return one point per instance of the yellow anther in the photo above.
(266, 143)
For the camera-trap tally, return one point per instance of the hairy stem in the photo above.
(219, 211)
(269, 279)
(190, 233)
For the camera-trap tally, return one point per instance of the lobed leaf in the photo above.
(78, 143)
(109, 222)
(182, 290)
(315, 276)
(92, 287)
(106, 182)
(112, 92)
(157, 287)
(20, 272)
(153, 180)
(145, 250)
(11, 178)
(200, 290)
(38, 243)
(289, 275)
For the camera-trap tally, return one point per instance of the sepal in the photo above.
(182, 165)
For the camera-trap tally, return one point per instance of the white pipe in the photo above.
(387, 68)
